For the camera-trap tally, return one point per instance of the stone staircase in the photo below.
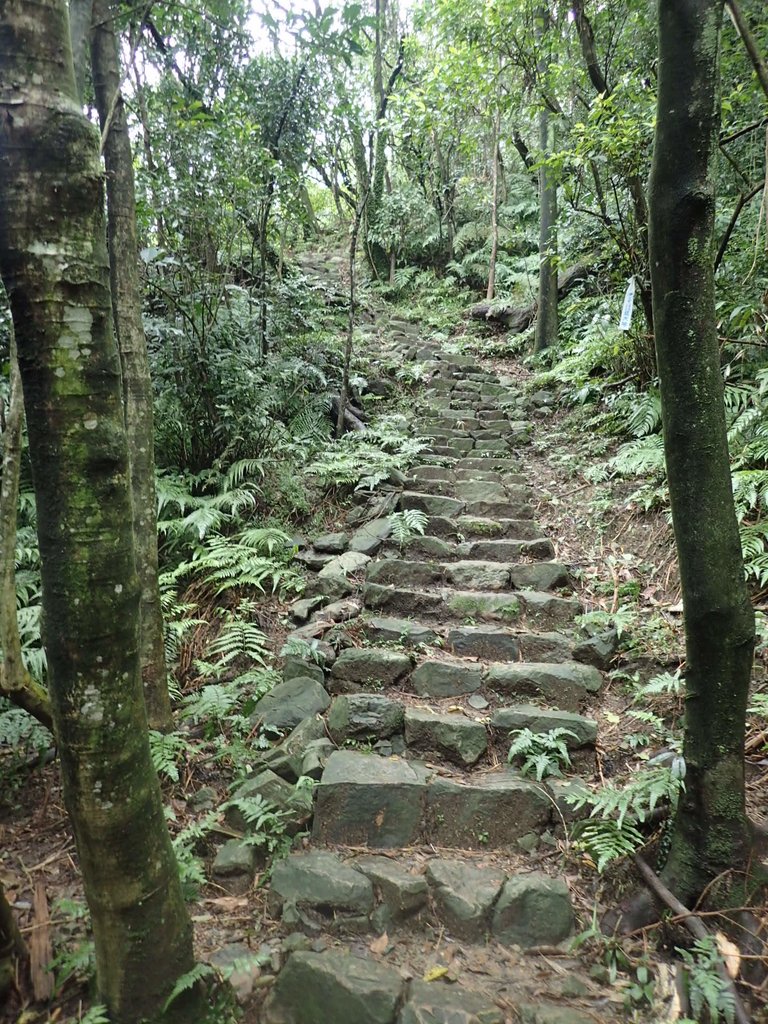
(433, 874)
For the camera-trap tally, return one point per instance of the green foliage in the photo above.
(542, 753)
(621, 620)
(96, 1015)
(307, 650)
(607, 840)
(708, 992)
(411, 522)
(635, 800)
(185, 846)
(663, 684)
(362, 460)
(265, 824)
(74, 958)
(167, 750)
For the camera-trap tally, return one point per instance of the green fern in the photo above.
(635, 800)
(199, 973)
(709, 993)
(665, 683)
(408, 523)
(645, 415)
(167, 750)
(96, 1015)
(607, 840)
(543, 753)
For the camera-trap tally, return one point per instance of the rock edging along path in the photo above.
(419, 828)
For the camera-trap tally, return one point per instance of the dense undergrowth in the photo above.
(249, 465)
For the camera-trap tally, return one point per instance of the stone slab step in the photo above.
(469, 574)
(367, 800)
(531, 607)
(564, 685)
(469, 899)
(488, 643)
(465, 527)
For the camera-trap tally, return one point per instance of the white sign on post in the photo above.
(626, 309)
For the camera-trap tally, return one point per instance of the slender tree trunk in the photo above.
(12, 948)
(15, 681)
(496, 176)
(132, 345)
(711, 832)
(53, 260)
(546, 312)
(349, 344)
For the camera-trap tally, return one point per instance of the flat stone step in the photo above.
(469, 574)
(488, 643)
(431, 504)
(531, 607)
(528, 716)
(465, 527)
(356, 892)
(490, 463)
(385, 803)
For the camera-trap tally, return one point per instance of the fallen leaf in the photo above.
(380, 944)
(227, 902)
(730, 953)
(434, 973)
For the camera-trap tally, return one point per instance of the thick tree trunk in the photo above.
(53, 260)
(711, 832)
(132, 345)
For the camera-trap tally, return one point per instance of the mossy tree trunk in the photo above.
(53, 260)
(711, 831)
(132, 345)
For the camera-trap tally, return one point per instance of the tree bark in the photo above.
(132, 346)
(12, 948)
(546, 316)
(711, 833)
(496, 175)
(53, 261)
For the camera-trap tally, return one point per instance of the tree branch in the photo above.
(694, 925)
(743, 199)
(750, 43)
(587, 40)
(725, 139)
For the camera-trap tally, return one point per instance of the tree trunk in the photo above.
(132, 345)
(12, 948)
(546, 315)
(711, 831)
(496, 174)
(53, 261)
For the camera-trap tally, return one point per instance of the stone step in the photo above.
(469, 574)
(488, 643)
(513, 507)
(466, 527)
(490, 463)
(529, 607)
(385, 803)
(469, 899)
(510, 487)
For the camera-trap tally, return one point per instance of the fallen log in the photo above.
(517, 319)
